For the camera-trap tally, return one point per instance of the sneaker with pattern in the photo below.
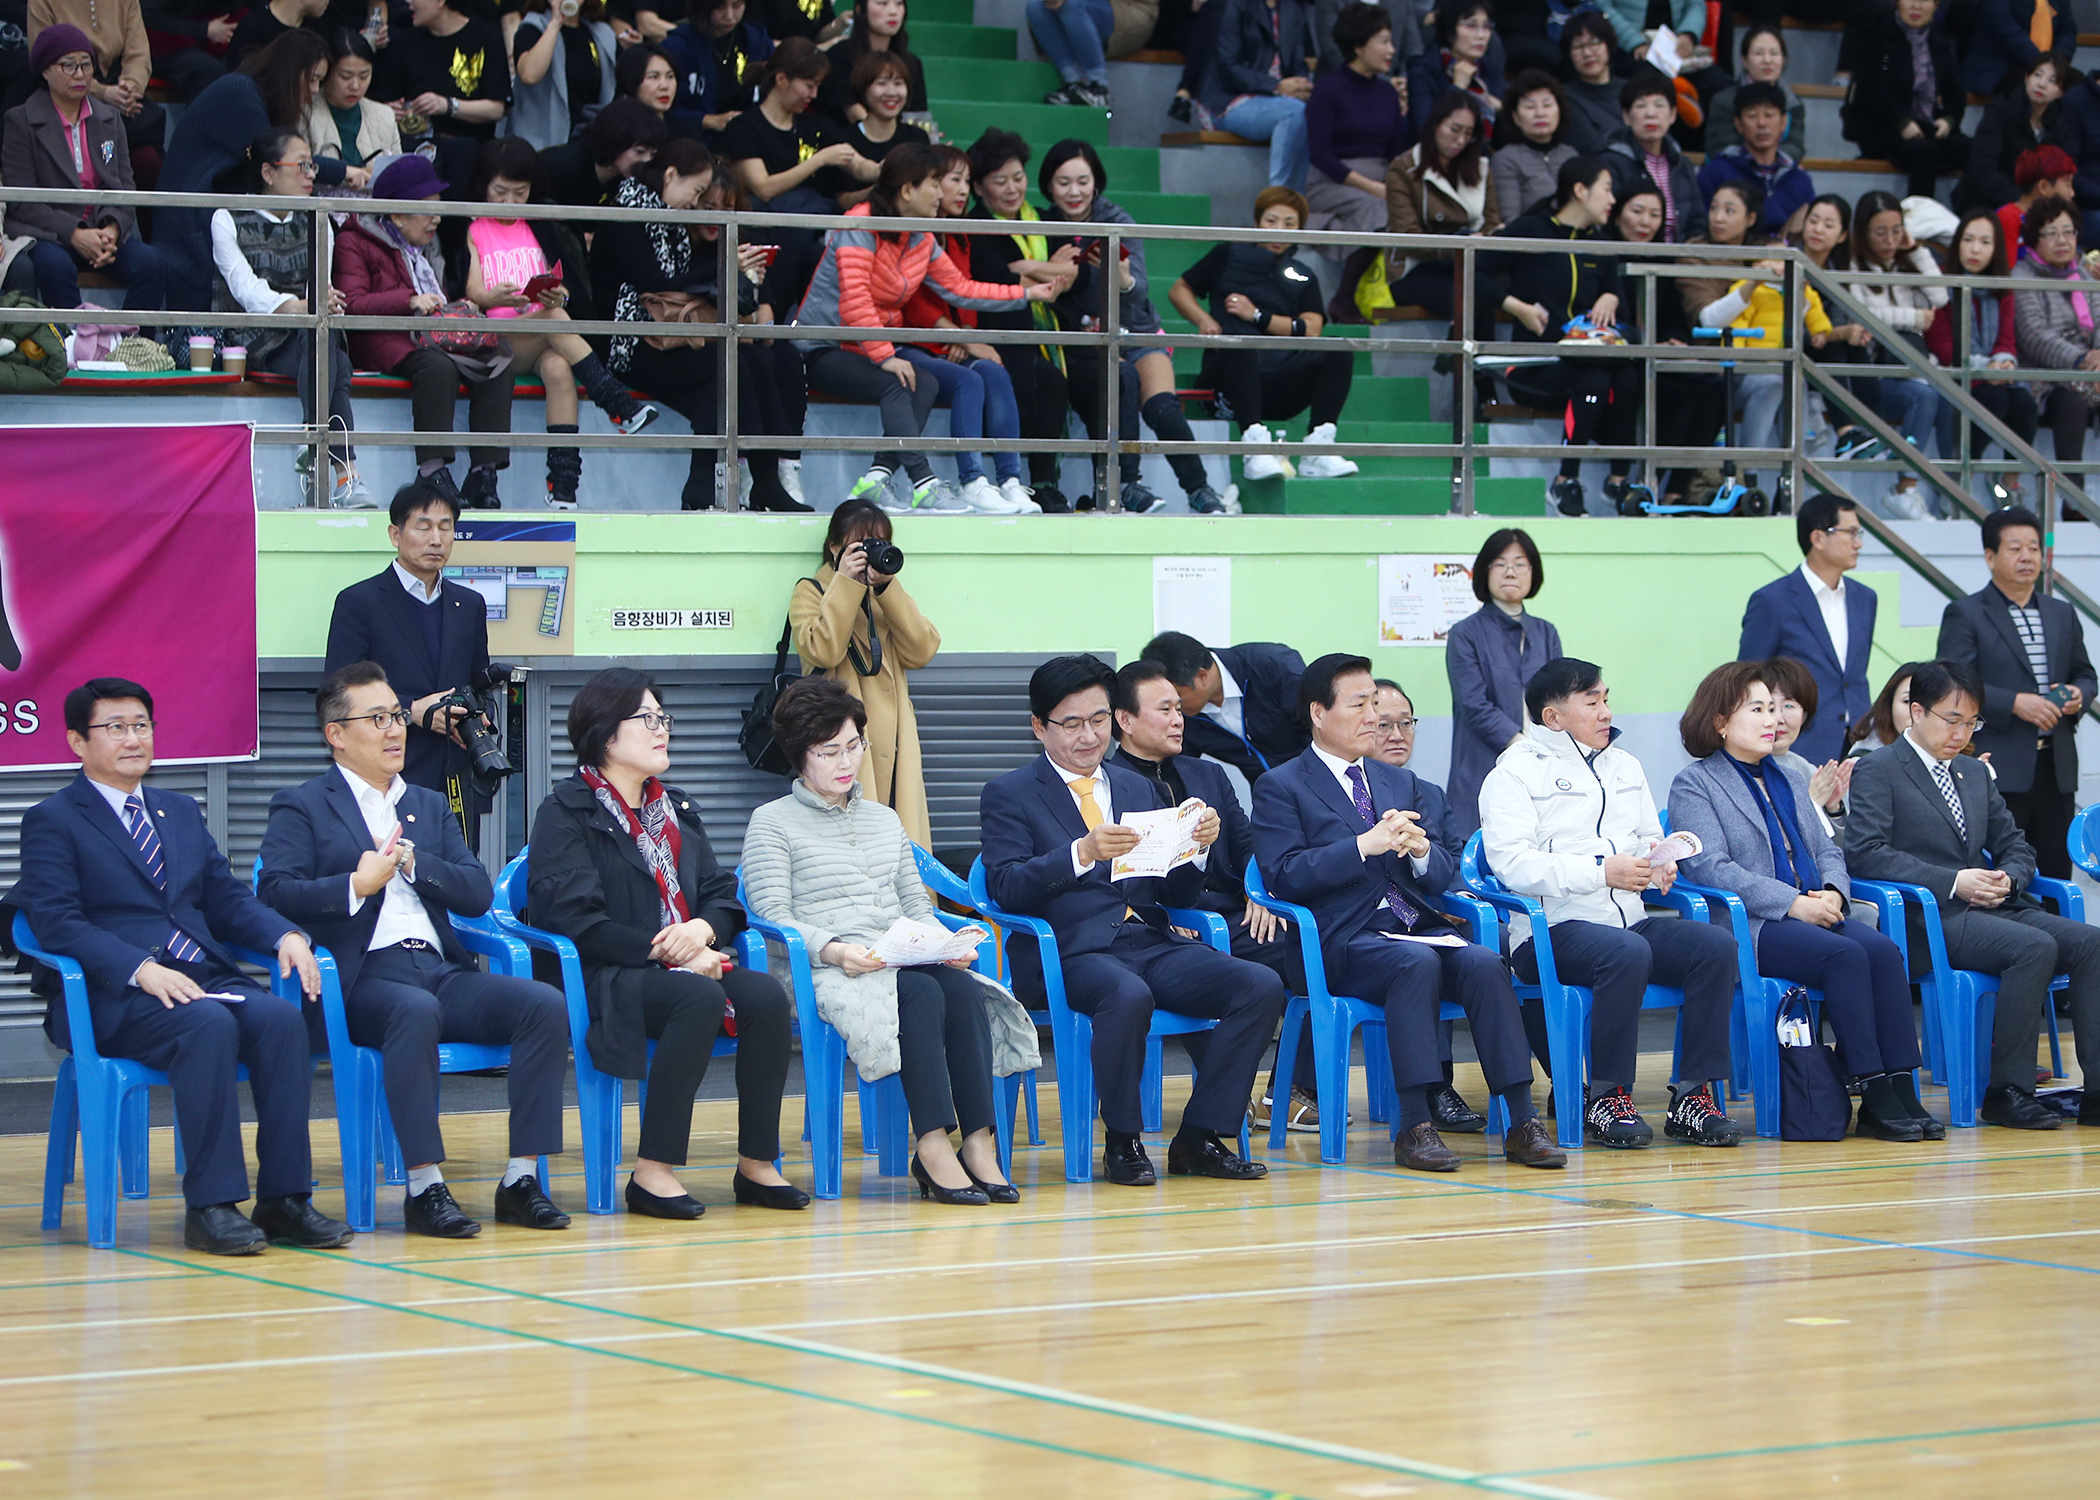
(1696, 1118)
(1611, 1120)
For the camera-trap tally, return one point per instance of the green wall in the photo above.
(1657, 603)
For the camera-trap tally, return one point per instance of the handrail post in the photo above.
(2052, 513)
(1464, 269)
(732, 284)
(321, 277)
(1111, 499)
(1964, 322)
(1794, 299)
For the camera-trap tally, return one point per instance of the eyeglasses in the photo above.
(1397, 726)
(831, 755)
(2060, 231)
(306, 168)
(1509, 565)
(382, 720)
(76, 69)
(1073, 725)
(1850, 533)
(1585, 42)
(1954, 721)
(651, 722)
(138, 729)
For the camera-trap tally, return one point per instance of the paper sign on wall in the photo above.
(1421, 596)
(1193, 595)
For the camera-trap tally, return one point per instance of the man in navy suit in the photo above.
(127, 881)
(374, 867)
(1822, 619)
(1241, 701)
(1341, 834)
(1049, 832)
(431, 637)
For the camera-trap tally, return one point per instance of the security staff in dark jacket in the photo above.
(1241, 701)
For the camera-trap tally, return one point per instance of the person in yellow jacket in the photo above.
(1756, 309)
(854, 622)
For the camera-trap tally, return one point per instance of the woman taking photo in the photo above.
(1749, 816)
(837, 868)
(343, 122)
(1490, 655)
(620, 865)
(1530, 144)
(860, 628)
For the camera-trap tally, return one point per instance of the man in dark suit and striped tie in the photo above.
(127, 880)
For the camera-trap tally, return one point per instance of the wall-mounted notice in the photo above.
(1421, 596)
(1193, 595)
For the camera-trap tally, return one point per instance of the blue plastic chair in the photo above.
(1072, 1034)
(364, 1126)
(1335, 1020)
(1567, 1006)
(102, 1101)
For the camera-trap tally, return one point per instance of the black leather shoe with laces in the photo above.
(436, 1213)
(526, 1204)
(295, 1221)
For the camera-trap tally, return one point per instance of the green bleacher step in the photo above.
(957, 13)
(963, 120)
(1429, 495)
(1131, 169)
(987, 81)
(938, 39)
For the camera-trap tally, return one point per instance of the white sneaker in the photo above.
(986, 498)
(791, 479)
(1259, 465)
(1906, 502)
(875, 485)
(351, 493)
(932, 497)
(1022, 496)
(1231, 497)
(1324, 465)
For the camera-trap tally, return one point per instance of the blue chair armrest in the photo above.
(485, 936)
(939, 879)
(1213, 928)
(1045, 936)
(72, 979)
(1738, 924)
(2070, 901)
(1308, 926)
(790, 941)
(1474, 912)
(1927, 903)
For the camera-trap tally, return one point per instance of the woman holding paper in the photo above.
(1752, 818)
(835, 866)
(620, 866)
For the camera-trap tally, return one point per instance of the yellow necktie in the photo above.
(2041, 28)
(1090, 814)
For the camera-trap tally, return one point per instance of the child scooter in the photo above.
(1733, 495)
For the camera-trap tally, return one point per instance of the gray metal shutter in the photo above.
(973, 726)
(292, 752)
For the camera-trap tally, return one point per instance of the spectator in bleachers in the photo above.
(861, 628)
(1489, 656)
(2044, 172)
(777, 150)
(2056, 330)
(1884, 243)
(1355, 124)
(262, 263)
(864, 280)
(1075, 184)
(1748, 812)
(1258, 85)
(2022, 119)
(1521, 27)
(1443, 184)
(189, 41)
(1764, 61)
(1825, 238)
(122, 70)
(1602, 398)
(588, 170)
(1906, 102)
(1073, 35)
(1691, 418)
(1190, 27)
(2014, 34)
(1460, 59)
(66, 138)
(1786, 188)
(1531, 143)
(1591, 81)
(1641, 150)
(971, 377)
(648, 73)
(389, 266)
(563, 71)
(342, 122)
(881, 84)
(621, 866)
(878, 26)
(717, 57)
(1264, 289)
(1755, 308)
(1718, 297)
(1980, 250)
(447, 76)
(812, 19)
(504, 258)
(999, 174)
(1400, 19)
(264, 24)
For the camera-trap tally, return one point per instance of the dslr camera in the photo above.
(884, 557)
(488, 764)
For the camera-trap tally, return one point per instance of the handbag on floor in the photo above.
(1813, 1103)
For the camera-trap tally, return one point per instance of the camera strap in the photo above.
(866, 666)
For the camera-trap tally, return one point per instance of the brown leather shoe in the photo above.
(1423, 1150)
(1528, 1145)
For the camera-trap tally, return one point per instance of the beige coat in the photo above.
(826, 616)
(1427, 203)
(377, 129)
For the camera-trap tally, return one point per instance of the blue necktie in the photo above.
(1360, 789)
(179, 945)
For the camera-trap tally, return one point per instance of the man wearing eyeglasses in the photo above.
(376, 868)
(1821, 619)
(1925, 814)
(126, 880)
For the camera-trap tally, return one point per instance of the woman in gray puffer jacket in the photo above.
(2056, 328)
(839, 871)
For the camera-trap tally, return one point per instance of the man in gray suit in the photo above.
(2029, 649)
(1924, 815)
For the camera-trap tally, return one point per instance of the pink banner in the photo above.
(128, 552)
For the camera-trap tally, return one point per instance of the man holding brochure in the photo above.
(1341, 834)
(1567, 817)
(1051, 832)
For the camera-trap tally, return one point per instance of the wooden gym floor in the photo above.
(1849, 1319)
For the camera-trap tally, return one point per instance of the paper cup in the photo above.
(200, 352)
(235, 361)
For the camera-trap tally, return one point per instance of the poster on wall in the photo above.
(1421, 596)
(128, 552)
(1194, 596)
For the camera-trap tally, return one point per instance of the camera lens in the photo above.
(884, 557)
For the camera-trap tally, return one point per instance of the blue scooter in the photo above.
(1733, 496)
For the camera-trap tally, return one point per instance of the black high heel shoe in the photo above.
(968, 1197)
(765, 1195)
(655, 1206)
(996, 1192)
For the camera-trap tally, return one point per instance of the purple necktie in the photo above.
(1360, 789)
(180, 945)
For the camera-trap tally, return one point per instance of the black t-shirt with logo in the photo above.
(751, 136)
(1279, 285)
(468, 64)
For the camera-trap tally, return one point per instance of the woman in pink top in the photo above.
(503, 257)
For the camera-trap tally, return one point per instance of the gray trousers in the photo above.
(2027, 949)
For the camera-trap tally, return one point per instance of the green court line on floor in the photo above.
(19, 1286)
(1944, 1435)
(943, 1423)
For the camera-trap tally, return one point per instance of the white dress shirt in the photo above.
(414, 585)
(1232, 713)
(1831, 601)
(1419, 863)
(402, 915)
(254, 294)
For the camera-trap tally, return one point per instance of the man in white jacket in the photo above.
(1568, 818)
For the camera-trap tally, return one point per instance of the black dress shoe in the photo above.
(968, 1197)
(221, 1229)
(1423, 1150)
(2017, 1111)
(641, 1201)
(526, 1204)
(295, 1221)
(436, 1213)
(1874, 1125)
(765, 1195)
(998, 1192)
(1448, 1111)
(1207, 1156)
(1126, 1164)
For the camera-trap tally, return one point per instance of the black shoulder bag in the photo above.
(755, 739)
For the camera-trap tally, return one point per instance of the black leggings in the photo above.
(1602, 400)
(1259, 391)
(433, 394)
(2067, 414)
(945, 1046)
(2011, 404)
(1088, 397)
(1923, 158)
(688, 378)
(1041, 392)
(1691, 418)
(774, 367)
(854, 377)
(681, 1013)
(1837, 352)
